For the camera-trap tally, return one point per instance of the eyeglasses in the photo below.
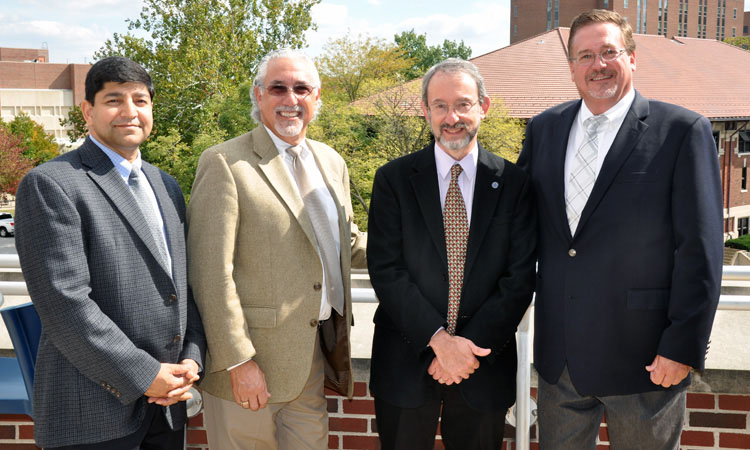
(299, 90)
(442, 109)
(608, 55)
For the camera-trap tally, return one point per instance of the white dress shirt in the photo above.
(605, 134)
(316, 178)
(466, 179)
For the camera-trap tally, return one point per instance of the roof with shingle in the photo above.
(704, 75)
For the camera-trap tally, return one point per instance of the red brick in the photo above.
(374, 425)
(333, 405)
(717, 420)
(196, 421)
(533, 392)
(360, 389)
(733, 440)
(734, 402)
(196, 448)
(602, 447)
(351, 425)
(534, 446)
(19, 447)
(196, 437)
(332, 393)
(359, 407)
(361, 442)
(7, 431)
(701, 401)
(15, 418)
(701, 438)
(26, 432)
(439, 445)
(333, 441)
(603, 434)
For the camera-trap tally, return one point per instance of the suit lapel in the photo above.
(274, 168)
(104, 174)
(487, 189)
(627, 138)
(168, 212)
(425, 184)
(561, 135)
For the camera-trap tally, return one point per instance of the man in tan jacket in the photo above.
(271, 243)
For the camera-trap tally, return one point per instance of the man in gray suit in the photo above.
(101, 239)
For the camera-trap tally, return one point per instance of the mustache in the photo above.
(295, 108)
(455, 126)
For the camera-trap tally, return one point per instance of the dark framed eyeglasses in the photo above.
(608, 55)
(299, 90)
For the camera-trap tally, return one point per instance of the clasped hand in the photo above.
(173, 382)
(455, 358)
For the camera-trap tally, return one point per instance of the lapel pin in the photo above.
(495, 185)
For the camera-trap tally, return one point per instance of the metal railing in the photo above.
(523, 375)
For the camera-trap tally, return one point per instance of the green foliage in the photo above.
(739, 41)
(742, 242)
(500, 133)
(198, 53)
(234, 116)
(423, 56)
(14, 165)
(356, 67)
(76, 120)
(38, 145)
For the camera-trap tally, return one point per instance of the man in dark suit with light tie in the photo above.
(451, 251)
(101, 238)
(630, 250)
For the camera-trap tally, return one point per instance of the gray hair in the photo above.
(455, 65)
(260, 78)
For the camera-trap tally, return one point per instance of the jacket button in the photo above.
(172, 298)
(177, 339)
(317, 286)
(572, 252)
(313, 322)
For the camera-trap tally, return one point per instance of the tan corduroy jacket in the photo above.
(255, 270)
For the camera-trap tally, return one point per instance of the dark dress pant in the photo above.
(154, 434)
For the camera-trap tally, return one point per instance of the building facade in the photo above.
(705, 19)
(45, 92)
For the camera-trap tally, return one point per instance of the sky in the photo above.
(73, 30)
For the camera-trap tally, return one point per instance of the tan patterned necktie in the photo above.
(315, 207)
(583, 171)
(456, 226)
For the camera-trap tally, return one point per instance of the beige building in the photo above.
(46, 92)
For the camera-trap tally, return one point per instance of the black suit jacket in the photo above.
(642, 274)
(409, 271)
(110, 311)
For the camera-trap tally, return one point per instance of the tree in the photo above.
(414, 46)
(38, 145)
(77, 122)
(198, 52)
(14, 165)
(500, 133)
(739, 41)
(359, 66)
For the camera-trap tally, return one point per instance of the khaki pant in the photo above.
(296, 425)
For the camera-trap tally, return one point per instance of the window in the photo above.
(742, 226)
(734, 32)
(624, 3)
(735, 13)
(716, 141)
(744, 144)
(515, 10)
(515, 29)
(744, 177)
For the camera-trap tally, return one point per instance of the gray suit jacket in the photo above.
(110, 312)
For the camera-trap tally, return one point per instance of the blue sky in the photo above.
(74, 29)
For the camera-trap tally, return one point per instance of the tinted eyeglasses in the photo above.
(299, 90)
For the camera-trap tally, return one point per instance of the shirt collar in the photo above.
(281, 146)
(444, 162)
(123, 166)
(614, 114)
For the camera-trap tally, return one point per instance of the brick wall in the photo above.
(713, 421)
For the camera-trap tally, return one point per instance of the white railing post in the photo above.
(523, 382)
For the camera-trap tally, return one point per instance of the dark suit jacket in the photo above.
(642, 274)
(110, 311)
(409, 271)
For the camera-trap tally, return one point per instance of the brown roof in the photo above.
(704, 75)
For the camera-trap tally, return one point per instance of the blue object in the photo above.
(17, 374)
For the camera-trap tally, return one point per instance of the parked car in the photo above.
(7, 225)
